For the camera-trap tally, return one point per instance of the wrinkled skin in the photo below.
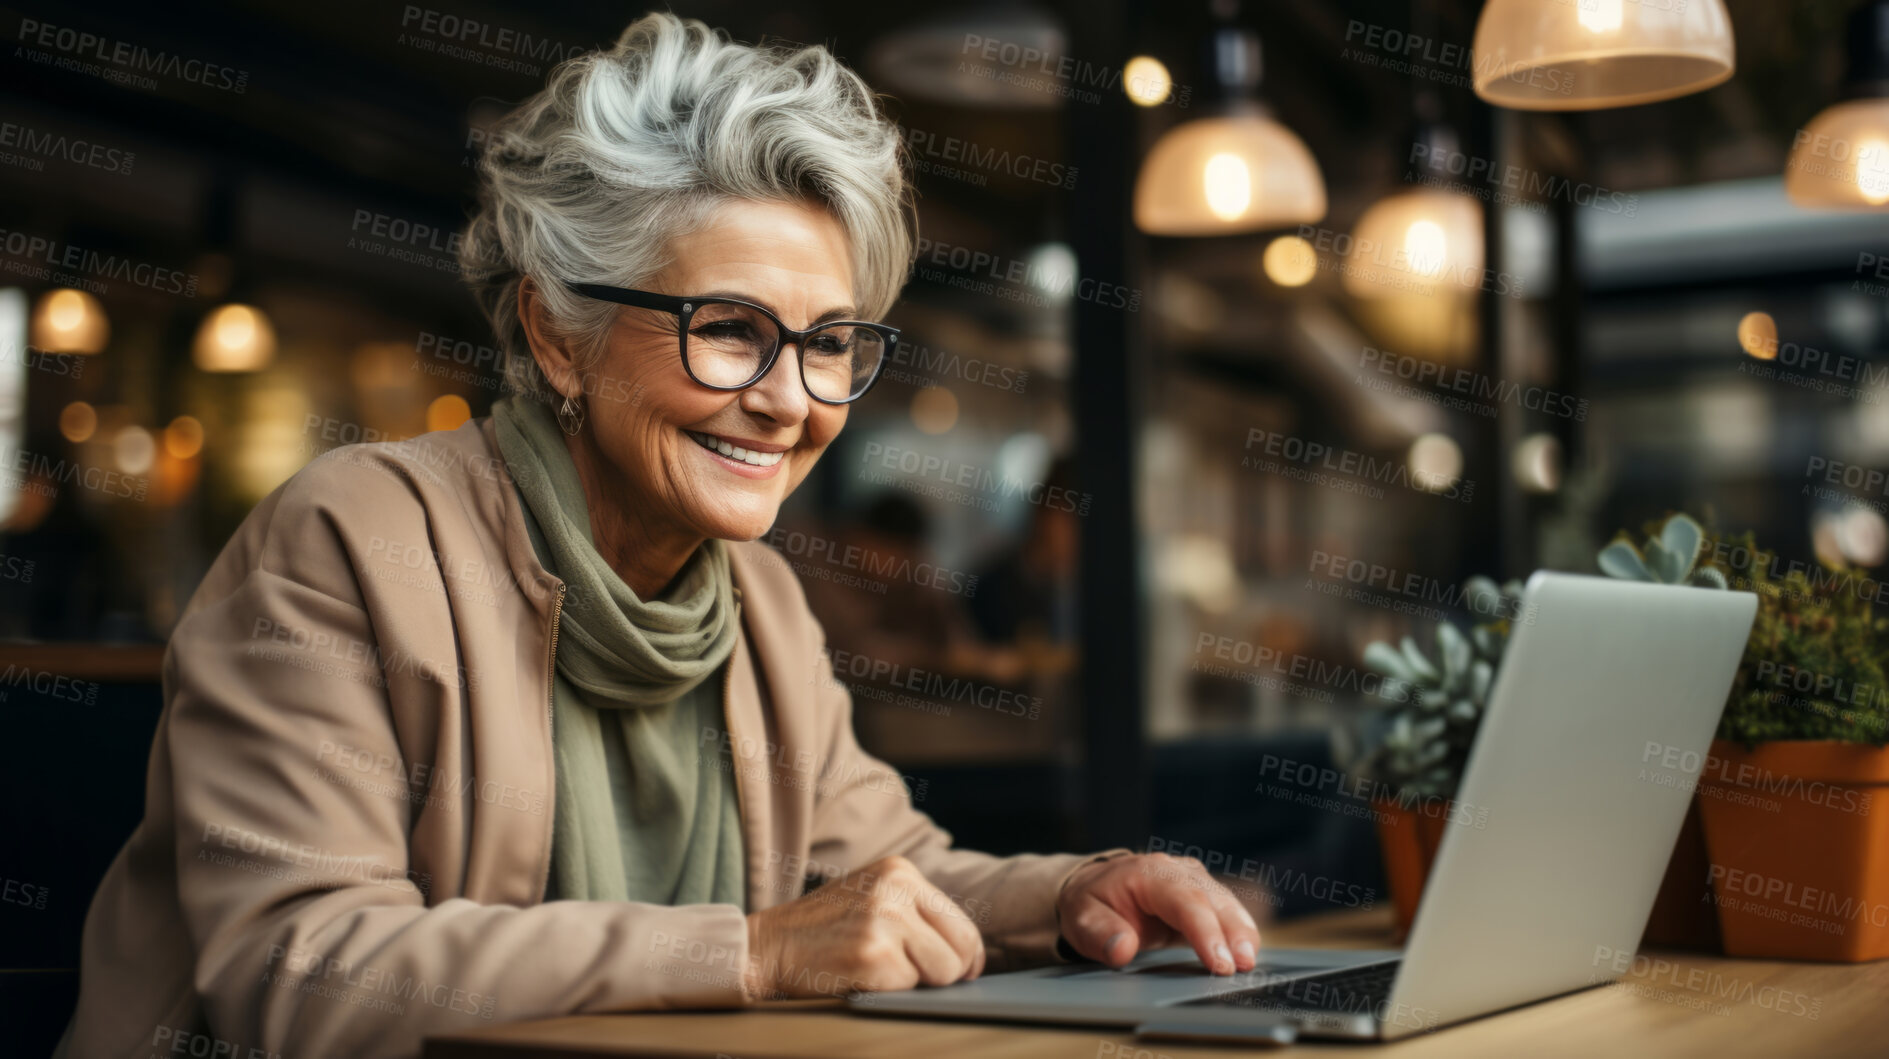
(654, 493)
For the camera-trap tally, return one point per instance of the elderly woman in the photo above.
(507, 722)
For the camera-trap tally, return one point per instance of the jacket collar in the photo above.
(505, 512)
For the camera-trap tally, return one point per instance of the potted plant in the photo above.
(1435, 707)
(1781, 855)
(1414, 768)
(1797, 837)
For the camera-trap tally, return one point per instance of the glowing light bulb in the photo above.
(66, 310)
(236, 327)
(1600, 16)
(1872, 171)
(69, 321)
(1425, 246)
(1228, 185)
(235, 338)
(1840, 160)
(1226, 175)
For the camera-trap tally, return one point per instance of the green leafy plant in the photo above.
(1816, 666)
(1435, 705)
(1817, 663)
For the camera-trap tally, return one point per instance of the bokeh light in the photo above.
(184, 437)
(447, 412)
(134, 450)
(1146, 81)
(1537, 463)
(1436, 462)
(1757, 335)
(1862, 536)
(78, 421)
(70, 321)
(235, 338)
(1290, 261)
(934, 409)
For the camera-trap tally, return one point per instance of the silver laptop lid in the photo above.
(1602, 712)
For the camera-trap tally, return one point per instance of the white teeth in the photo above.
(736, 452)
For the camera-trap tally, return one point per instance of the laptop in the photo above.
(1571, 801)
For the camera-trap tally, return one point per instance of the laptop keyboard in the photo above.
(1353, 991)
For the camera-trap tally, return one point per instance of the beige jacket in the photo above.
(347, 826)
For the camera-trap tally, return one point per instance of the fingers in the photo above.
(1182, 901)
(1242, 933)
(954, 926)
(934, 958)
(938, 939)
(1237, 923)
(1099, 932)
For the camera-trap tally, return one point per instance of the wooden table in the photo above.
(1733, 1008)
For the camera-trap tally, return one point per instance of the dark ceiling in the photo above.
(340, 98)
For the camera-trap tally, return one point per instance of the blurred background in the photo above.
(1175, 430)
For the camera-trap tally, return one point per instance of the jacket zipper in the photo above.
(550, 739)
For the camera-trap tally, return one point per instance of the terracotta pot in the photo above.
(1799, 844)
(1409, 835)
(1683, 916)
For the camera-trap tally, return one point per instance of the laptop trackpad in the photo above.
(1091, 993)
(1196, 969)
(1163, 977)
(1178, 968)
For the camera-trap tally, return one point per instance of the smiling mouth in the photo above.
(735, 452)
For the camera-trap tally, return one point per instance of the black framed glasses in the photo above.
(730, 344)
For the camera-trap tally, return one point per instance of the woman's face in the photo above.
(653, 425)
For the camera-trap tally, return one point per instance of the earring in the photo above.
(571, 417)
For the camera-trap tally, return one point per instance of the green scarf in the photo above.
(646, 807)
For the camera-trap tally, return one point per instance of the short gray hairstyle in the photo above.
(626, 148)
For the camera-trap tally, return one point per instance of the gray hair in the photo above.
(627, 148)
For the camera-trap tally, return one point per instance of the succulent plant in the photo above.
(1436, 705)
(1670, 558)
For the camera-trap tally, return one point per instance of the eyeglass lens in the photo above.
(726, 345)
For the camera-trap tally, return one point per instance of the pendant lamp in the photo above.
(234, 338)
(1841, 159)
(1423, 240)
(1235, 171)
(1594, 54)
(69, 320)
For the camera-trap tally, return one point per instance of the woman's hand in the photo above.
(882, 927)
(1112, 909)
